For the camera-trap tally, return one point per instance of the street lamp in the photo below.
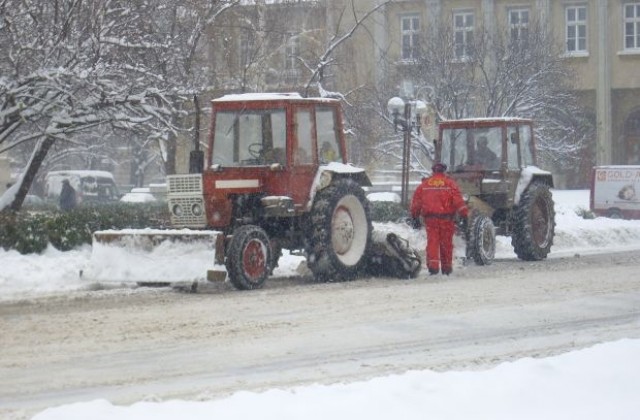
(407, 124)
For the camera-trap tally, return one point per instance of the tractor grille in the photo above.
(184, 195)
(185, 184)
(186, 218)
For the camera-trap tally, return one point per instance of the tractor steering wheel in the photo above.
(256, 150)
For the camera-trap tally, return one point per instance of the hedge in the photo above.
(31, 232)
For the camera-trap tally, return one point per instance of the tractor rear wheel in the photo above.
(534, 223)
(481, 239)
(248, 257)
(340, 232)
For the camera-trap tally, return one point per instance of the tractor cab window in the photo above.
(454, 148)
(513, 138)
(486, 149)
(472, 149)
(249, 138)
(328, 149)
(526, 145)
(303, 152)
(519, 138)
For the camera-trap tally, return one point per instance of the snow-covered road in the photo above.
(128, 345)
(66, 340)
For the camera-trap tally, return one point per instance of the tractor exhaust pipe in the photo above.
(196, 157)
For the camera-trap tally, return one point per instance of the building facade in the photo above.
(268, 45)
(600, 41)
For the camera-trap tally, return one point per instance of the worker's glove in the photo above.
(463, 223)
(414, 222)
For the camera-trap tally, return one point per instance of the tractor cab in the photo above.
(493, 161)
(487, 156)
(266, 149)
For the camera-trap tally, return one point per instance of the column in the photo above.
(603, 86)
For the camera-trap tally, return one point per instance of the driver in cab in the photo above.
(485, 156)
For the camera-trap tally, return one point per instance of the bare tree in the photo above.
(343, 30)
(71, 67)
(502, 75)
(62, 75)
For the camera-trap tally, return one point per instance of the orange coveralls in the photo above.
(437, 199)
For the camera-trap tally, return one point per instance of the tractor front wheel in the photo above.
(248, 257)
(481, 239)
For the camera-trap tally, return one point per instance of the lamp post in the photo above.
(407, 124)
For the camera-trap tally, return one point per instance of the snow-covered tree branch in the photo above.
(69, 68)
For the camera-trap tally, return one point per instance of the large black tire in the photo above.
(248, 258)
(481, 239)
(534, 223)
(340, 232)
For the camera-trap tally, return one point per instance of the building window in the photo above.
(406, 88)
(632, 26)
(292, 50)
(246, 46)
(463, 25)
(519, 24)
(410, 36)
(576, 21)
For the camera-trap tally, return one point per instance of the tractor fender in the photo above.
(327, 173)
(527, 176)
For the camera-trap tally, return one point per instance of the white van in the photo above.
(615, 191)
(90, 186)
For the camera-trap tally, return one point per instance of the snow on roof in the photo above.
(80, 173)
(342, 168)
(267, 96)
(617, 167)
(485, 119)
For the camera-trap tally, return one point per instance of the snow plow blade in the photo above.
(154, 257)
(391, 255)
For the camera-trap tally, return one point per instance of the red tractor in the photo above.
(276, 176)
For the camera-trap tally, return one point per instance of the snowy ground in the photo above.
(55, 271)
(594, 383)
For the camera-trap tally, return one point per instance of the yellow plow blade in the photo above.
(152, 256)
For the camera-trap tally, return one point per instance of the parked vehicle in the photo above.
(138, 195)
(91, 186)
(615, 191)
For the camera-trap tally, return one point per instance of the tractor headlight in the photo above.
(196, 209)
(177, 210)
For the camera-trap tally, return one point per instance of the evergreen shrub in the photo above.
(31, 232)
(387, 211)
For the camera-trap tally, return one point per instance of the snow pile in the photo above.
(59, 271)
(152, 254)
(595, 383)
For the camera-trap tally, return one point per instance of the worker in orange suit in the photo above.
(438, 200)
